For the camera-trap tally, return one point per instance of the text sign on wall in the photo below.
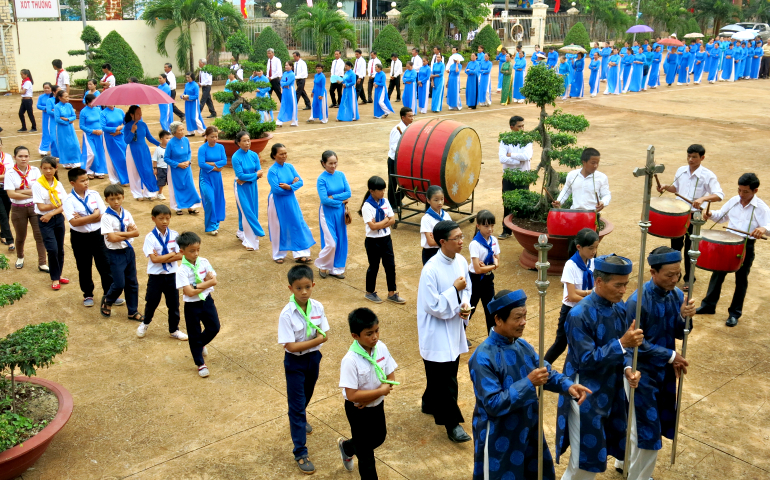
(36, 8)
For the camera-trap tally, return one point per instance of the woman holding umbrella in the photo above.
(182, 193)
(192, 111)
(138, 157)
(66, 139)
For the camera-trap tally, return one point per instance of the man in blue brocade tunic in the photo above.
(663, 312)
(505, 379)
(598, 339)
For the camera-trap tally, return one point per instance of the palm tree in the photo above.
(219, 20)
(423, 24)
(323, 23)
(722, 11)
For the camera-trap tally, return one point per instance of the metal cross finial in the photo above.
(650, 168)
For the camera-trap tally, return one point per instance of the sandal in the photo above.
(279, 261)
(138, 317)
(105, 309)
(192, 211)
(179, 212)
(303, 260)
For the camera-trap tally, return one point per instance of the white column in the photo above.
(538, 23)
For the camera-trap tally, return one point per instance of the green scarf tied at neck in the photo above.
(306, 316)
(198, 278)
(357, 348)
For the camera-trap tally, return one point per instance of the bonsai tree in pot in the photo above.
(92, 63)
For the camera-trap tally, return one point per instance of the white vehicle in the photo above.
(762, 29)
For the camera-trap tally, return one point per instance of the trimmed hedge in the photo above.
(489, 39)
(578, 35)
(118, 53)
(269, 39)
(389, 41)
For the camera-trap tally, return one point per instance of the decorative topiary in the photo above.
(238, 44)
(489, 39)
(389, 41)
(92, 62)
(119, 54)
(9, 293)
(269, 39)
(578, 35)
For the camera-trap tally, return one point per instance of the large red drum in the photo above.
(564, 222)
(443, 152)
(669, 217)
(720, 251)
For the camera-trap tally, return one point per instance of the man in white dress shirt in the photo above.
(204, 81)
(337, 70)
(442, 308)
(396, 69)
(698, 184)
(171, 79)
(589, 188)
(300, 74)
(359, 68)
(274, 72)
(371, 71)
(745, 212)
(407, 117)
(513, 157)
(416, 60)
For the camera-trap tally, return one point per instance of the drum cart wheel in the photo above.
(408, 208)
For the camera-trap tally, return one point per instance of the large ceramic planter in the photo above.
(557, 256)
(77, 104)
(15, 461)
(257, 145)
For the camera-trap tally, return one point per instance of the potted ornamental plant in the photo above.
(556, 133)
(243, 114)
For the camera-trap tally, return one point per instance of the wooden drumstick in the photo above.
(708, 207)
(656, 180)
(745, 233)
(684, 198)
(597, 198)
(549, 195)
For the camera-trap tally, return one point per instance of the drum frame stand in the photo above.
(416, 207)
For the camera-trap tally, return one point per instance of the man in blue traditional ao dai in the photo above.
(598, 338)
(505, 379)
(663, 312)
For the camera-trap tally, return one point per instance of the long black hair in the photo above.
(130, 113)
(52, 162)
(585, 238)
(374, 183)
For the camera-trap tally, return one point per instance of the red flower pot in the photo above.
(557, 256)
(15, 461)
(257, 145)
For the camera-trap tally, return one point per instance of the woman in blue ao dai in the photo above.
(286, 225)
(437, 74)
(165, 109)
(66, 139)
(192, 108)
(182, 193)
(565, 70)
(382, 106)
(654, 75)
(500, 59)
(112, 124)
(247, 171)
(92, 156)
(42, 100)
(348, 110)
(423, 86)
(700, 63)
(485, 79)
(453, 98)
(91, 89)
(288, 111)
(683, 72)
(410, 87)
(472, 84)
(627, 67)
(320, 109)
(141, 175)
(596, 74)
(211, 160)
(334, 192)
(50, 105)
(613, 73)
(518, 77)
(672, 59)
(637, 72)
(576, 89)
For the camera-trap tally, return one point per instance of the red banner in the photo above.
(363, 7)
(243, 9)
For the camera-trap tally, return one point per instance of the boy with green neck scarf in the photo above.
(197, 278)
(367, 374)
(302, 328)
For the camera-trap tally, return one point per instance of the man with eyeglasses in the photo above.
(443, 306)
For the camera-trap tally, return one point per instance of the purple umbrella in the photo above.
(639, 29)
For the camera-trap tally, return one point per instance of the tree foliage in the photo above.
(119, 54)
(427, 21)
(578, 35)
(388, 42)
(722, 12)
(269, 39)
(91, 38)
(238, 44)
(322, 22)
(488, 38)
(222, 21)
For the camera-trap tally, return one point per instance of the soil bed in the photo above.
(36, 403)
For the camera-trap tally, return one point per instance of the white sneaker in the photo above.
(161, 196)
(205, 352)
(142, 330)
(203, 371)
(178, 335)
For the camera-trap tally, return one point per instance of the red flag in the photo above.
(557, 6)
(243, 9)
(363, 7)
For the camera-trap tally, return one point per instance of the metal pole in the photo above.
(542, 284)
(636, 20)
(371, 30)
(694, 253)
(506, 34)
(83, 16)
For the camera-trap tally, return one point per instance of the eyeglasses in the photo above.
(457, 238)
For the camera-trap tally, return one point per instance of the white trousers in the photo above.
(642, 461)
(573, 471)
(325, 260)
(248, 238)
(275, 233)
(138, 189)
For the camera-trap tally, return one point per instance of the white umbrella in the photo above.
(745, 35)
(573, 49)
(694, 35)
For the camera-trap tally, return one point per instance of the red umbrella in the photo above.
(670, 42)
(132, 94)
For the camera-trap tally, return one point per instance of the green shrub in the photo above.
(521, 178)
(525, 204)
(489, 39)
(578, 35)
(14, 429)
(388, 42)
(238, 44)
(118, 53)
(269, 39)
(9, 293)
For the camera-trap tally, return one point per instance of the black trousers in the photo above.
(177, 112)
(380, 249)
(427, 254)
(162, 285)
(197, 313)
(507, 187)
(395, 83)
(440, 397)
(5, 214)
(369, 88)
(393, 198)
(368, 431)
(484, 290)
(560, 344)
(301, 92)
(764, 67)
(684, 242)
(88, 249)
(360, 90)
(26, 107)
(275, 86)
(301, 377)
(123, 270)
(335, 87)
(53, 239)
(741, 285)
(206, 100)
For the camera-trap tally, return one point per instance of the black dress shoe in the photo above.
(212, 116)
(731, 321)
(458, 435)
(306, 108)
(704, 311)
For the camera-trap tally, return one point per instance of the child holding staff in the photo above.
(485, 258)
(434, 214)
(48, 194)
